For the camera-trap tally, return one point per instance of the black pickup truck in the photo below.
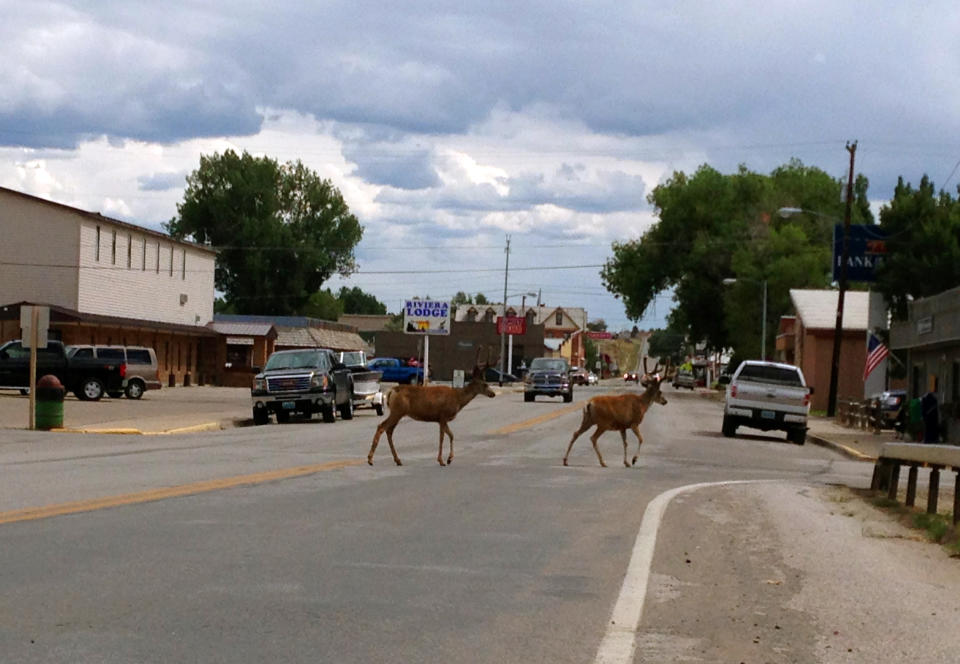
(89, 379)
(303, 381)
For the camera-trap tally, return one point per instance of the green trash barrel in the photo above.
(49, 410)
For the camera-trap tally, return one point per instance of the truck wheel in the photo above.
(379, 409)
(568, 397)
(346, 411)
(134, 389)
(283, 416)
(91, 389)
(797, 436)
(729, 426)
(260, 416)
(529, 397)
(327, 413)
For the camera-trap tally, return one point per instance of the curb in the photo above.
(206, 426)
(848, 452)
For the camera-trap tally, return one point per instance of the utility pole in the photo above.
(844, 257)
(503, 327)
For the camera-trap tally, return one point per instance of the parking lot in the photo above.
(158, 411)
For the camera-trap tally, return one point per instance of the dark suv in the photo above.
(548, 376)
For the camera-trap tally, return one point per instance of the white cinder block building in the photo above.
(60, 255)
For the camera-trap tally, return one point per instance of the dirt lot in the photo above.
(158, 410)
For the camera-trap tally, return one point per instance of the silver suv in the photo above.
(142, 373)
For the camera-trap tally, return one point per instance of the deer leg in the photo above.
(393, 450)
(387, 425)
(446, 428)
(636, 432)
(585, 424)
(623, 435)
(593, 439)
(440, 451)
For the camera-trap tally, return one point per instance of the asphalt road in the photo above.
(280, 544)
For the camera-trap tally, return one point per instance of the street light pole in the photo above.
(503, 334)
(763, 328)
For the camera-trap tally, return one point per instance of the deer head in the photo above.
(478, 381)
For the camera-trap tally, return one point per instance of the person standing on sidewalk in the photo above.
(931, 416)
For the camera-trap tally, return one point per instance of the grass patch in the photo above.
(935, 525)
(818, 413)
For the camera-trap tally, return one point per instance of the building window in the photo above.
(488, 316)
(183, 264)
(171, 260)
(471, 315)
(559, 319)
(96, 249)
(129, 251)
(113, 248)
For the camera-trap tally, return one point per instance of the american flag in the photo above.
(876, 352)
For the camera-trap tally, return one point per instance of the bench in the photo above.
(886, 472)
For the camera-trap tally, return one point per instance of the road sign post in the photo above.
(34, 324)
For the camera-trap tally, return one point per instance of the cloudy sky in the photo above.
(450, 125)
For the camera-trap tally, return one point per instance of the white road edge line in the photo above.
(619, 642)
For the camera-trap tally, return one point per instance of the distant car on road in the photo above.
(631, 376)
(592, 378)
(548, 376)
(578, 375)
(684, 378)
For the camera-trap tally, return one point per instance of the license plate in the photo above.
(289, 405)
(768, 415)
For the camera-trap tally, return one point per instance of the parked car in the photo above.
(592, 378)
(492, 375)
(548, 376)
(631, 376)
(142, 372)
(767, 396)
(684, 378)
(88, 378)
(579, 375)
(890, 403)
(306, 381)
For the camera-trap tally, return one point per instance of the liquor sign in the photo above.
(426, 317)
(600, 335)
(511, 325)
(866, 249)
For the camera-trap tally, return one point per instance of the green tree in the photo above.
(281, 230)
(481, 299)
(713, 227)
(598, 325)
(355, 301)
(923, 245)
(323, 305)
(591, 352)
(668, 343)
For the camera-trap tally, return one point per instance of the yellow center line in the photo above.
(526, 424)
(47, 511)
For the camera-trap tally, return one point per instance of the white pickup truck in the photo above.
(767, 396)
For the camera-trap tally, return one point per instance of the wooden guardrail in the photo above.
(886, 472)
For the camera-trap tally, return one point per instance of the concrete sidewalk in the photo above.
(859, 444)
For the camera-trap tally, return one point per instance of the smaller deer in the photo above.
(430, 403)
(621, 412)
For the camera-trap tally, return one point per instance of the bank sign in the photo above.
(426, 317)
(866, 250)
